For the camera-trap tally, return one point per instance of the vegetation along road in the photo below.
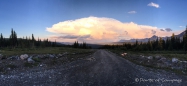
(102, 68)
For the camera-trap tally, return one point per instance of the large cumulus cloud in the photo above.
(101, 29)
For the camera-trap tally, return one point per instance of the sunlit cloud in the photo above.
(153, 5)
(132, 12)
(101, 29)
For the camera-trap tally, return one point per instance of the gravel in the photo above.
(106, 69)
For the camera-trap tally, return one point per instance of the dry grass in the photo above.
(166, 54)
(47, 50)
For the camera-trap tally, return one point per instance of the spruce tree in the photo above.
(1, 41)
(185, 41)
(136, 44)
(163, 45)
(11, 41)
(167, 44)
(77, 44)
(15, 41)
(55, 43)
(160, 46)
(150, 47)
(74, 45)
(173, 41)
(33, 41)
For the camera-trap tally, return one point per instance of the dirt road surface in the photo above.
(103, 68)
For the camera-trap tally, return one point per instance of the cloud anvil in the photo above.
(102, 28)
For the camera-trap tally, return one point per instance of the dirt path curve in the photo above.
(103, 68)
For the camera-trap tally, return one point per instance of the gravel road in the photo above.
(103, 68)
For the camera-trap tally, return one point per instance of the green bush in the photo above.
(36, 59)
(26, 64)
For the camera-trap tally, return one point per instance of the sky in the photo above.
(92, 21)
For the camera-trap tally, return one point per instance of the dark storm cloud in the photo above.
(84, 36)
(162, 30)
(153, 31)
(69, 37)
(126, 33)
(74, 36)
(168, 29)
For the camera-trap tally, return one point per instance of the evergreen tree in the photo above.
(156, 44)
(172, 44)
(150, 47)
(13, 39)
(167, 44)
(177, 43)
(136, 44)
(23, 42)
(33, 41)
(5, 44)
(163, 45)
(160, 44)
(81, 45)
(74, 45)
(1, 41)
(185, 40)
(38, 42)
(53, 44)
(43, 43)
(84, 45)
(26, 42)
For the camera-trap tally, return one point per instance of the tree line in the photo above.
(172, 43)
(81, 45)
(25, 42)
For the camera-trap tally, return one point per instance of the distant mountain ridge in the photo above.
(98, 45)
(93, 46)
(154, 37)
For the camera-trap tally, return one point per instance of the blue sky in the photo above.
(35, 16)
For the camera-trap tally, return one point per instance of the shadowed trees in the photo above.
(172, 43)
(1, 40)
(81, 45)
(13, 39)
(25, 42)
(185, 40)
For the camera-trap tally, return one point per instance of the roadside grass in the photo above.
(166, 54)
(37, 59)
(4, 69)
(46, 50)
(70, 54)
(30, 65)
